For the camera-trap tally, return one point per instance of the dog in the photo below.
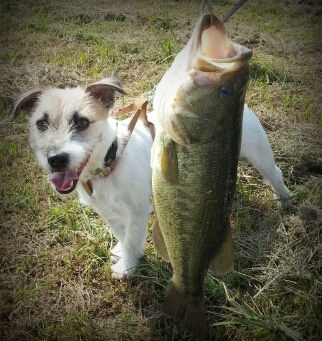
(76, 140)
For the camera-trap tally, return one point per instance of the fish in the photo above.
(198, 107)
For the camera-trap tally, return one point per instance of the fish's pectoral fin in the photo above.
(190, 310)
(177, 130)
(158, 241)
(169, 162)
(223, 261)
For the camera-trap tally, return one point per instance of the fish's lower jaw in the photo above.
(190, 310)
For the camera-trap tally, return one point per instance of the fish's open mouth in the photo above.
(214, 50)
(66, 182)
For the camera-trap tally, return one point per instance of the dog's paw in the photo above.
(285, 202)
(120, 270)
(117, 253)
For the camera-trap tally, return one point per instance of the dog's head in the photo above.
(65, 126)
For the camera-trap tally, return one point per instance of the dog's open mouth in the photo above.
(65, 182)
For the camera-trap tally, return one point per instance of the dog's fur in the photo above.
(256, 149)
(76, 122)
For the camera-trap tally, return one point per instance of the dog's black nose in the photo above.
(59, 162)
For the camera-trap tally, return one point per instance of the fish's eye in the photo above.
(226, 91)
(42, 125)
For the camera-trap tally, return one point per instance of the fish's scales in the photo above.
(195, 210)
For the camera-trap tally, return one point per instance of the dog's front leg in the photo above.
(128, 225)
(118, 229)
(130, 249)
(116, 253)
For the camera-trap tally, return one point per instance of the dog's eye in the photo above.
(82, 123)
(42, 125)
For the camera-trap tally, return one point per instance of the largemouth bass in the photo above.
(198, 106)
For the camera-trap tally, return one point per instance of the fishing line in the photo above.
(150, 94)
(228, 15)
(233, 10)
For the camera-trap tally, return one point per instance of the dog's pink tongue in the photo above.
(63, 180)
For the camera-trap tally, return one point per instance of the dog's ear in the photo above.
(26, 102)
(104, 90)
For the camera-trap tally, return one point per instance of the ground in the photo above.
(55, 282)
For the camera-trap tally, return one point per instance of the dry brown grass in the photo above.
(54, 278)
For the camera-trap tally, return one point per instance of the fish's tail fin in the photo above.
(190, 310)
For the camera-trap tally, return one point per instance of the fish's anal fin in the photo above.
(223, 261)
(158, 241)
(169, 162)
(190, 310)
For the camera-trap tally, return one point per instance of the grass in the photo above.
(55, 282)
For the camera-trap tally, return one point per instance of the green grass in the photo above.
(55, 281)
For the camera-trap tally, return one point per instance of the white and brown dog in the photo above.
(76, 140)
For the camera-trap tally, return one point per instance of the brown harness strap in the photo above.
(88, 187)
(140, 112)
(140, 106)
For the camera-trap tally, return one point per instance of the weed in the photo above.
(38, 21)
(12, 148)
(244, 193)
(169, 44)
(115, 17)
(265, 71)
(262, 325)
(308, 112)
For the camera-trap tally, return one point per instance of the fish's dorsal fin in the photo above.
(169, 162)
(158, 241)
(223, 261)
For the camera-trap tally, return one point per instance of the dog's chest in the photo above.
(106, 199)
